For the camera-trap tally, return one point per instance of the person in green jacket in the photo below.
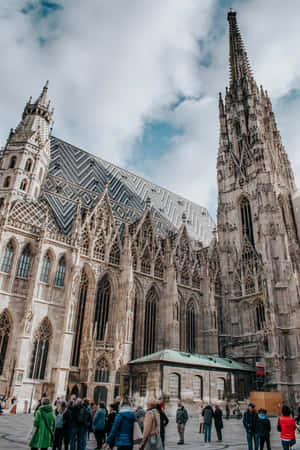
(44, 422)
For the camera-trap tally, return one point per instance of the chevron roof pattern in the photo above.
(74, 173)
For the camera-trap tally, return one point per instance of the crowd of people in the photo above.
(69, 424)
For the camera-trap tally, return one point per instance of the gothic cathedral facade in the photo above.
(100, 267)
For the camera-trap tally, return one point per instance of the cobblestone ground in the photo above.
(15, 428)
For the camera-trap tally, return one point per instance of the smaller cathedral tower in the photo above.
(26, 156)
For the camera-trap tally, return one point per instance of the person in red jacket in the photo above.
(287, 426)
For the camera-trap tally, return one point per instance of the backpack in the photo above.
(59, 420)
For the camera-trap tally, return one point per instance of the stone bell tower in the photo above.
(257, 230)
(26, 156)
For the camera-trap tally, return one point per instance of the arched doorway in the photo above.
(100, 394)
(75, 390)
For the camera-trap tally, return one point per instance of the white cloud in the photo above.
(115, 65)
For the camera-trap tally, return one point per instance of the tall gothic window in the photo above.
(4, 338)
(7, 258)
(83, 288)
(12, 162)
(114, 256)
(190, 327)
(185, 275)
(102, 307)
(23, 185)
(102, 371)
(24, 263)
(28, 165)
(6, 182)
(247, 219)
(60, 272)
(260, 316)
(40, 350)
(85, 243)
(146, 262)
(150, 322)
(45, 268)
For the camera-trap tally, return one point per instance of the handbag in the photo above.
(48, 428)
(137, 434)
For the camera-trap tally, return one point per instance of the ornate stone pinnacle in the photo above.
(148, 202)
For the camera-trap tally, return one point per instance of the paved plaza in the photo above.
(14, 430)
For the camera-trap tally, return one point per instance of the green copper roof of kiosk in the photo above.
(194, 359)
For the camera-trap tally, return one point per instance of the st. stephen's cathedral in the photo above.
(111, 284)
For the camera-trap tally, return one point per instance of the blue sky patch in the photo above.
(41, 9)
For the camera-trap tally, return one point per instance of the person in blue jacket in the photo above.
(99, 424)
(122, 430)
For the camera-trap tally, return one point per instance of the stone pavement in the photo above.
(15, 428)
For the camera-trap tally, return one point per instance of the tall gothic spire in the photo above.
(40, 107)
(239, 65)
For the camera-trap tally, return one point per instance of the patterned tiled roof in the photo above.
(74, 173)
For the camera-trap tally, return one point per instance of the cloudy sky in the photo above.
(136, 81)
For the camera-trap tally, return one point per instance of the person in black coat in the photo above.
(218, 416)
(250, 420)
(163, 423)
(263, 429)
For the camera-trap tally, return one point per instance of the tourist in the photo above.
(250, 420)
(208, 415)
(163, 422)
(99, 424)
(151, 434)
(93, 410)
(263, 429)
(110, 418)
(44, 395)
(122, 430)
(44, 423)
(80, 422)
(218, 416)
(181, 420)
(201, 425)
(62, 421)
(287, 426)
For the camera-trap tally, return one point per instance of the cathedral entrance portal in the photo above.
(100, 394)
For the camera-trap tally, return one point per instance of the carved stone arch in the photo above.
(146, 261)
(88, 269)
(103, 369)
(85, 241)
(9, 254)
(156, 288)
(115, 250)
(113, 279)
(40, 349)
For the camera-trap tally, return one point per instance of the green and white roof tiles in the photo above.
(194, 359)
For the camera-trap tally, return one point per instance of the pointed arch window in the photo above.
(250, 285)
(28, 165)
(260, 316)
(102, 307)
(190, 328)
(99, 248)
(7, 258)
(5, 329)
(247, 219)
(12, 162)
(40, 350)
(45, 268)
(114, 256)
(221, 388)
(158, 268)
(23, 185)
(83, 289)
(24, 263)
(102, 371)
(150, 322)
(60, 272)
(6, 183)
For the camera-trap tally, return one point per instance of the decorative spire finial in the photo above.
(239, 64)
(106, 184)
(148, 202)
(183, 218)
